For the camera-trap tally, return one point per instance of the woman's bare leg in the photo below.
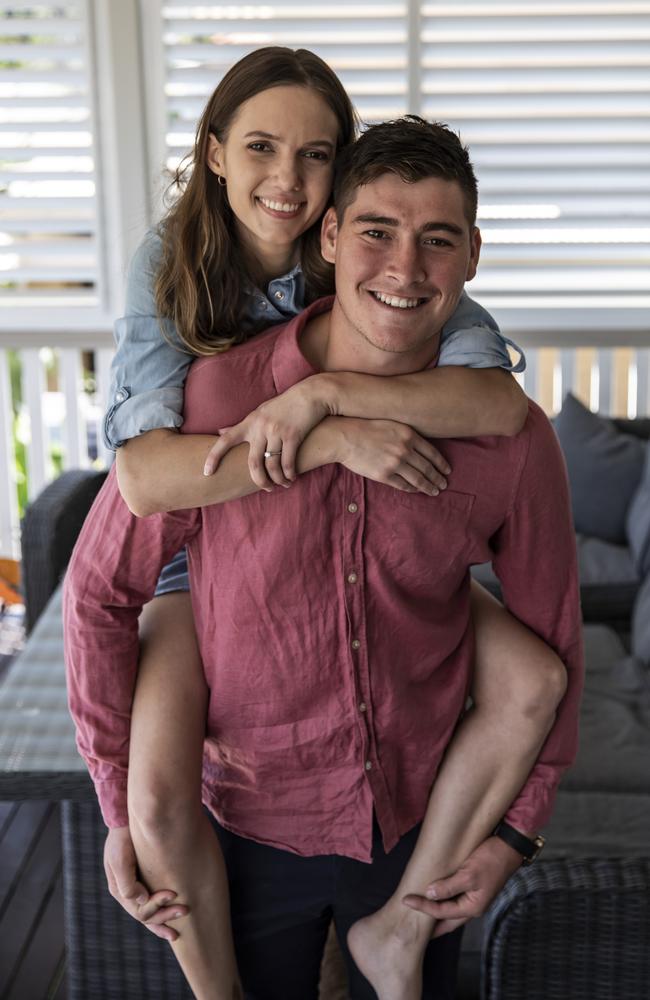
(174, 842)
(518, 684)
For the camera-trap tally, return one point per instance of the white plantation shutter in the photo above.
(554, 102)
(365, 43)
(49, 239)
(552, 98)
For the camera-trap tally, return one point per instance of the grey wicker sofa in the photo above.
(576, 925)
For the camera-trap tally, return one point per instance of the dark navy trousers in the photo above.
(282, 906)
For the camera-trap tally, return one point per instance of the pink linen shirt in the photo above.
(333, 620)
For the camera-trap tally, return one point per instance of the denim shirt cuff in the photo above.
(129, 416)
(480, 347)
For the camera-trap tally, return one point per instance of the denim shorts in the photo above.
(174, 575)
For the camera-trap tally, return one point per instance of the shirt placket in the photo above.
(354, 588)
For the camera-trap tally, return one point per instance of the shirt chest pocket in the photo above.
(430, 533)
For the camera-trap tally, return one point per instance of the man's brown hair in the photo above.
(413, 149)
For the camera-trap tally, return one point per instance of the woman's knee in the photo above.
(537, 685)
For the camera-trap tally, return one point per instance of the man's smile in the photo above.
(397, 301)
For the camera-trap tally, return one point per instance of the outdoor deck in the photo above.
(32, 950)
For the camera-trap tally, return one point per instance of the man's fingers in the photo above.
(448, 888)
(157, 902)
(134, 891)
(451, 909)
(166, 933)
(445, 926)
(158, 915)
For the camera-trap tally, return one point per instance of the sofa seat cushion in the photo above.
(614, 719)
(603, 805)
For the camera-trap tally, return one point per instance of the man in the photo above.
(334, 618)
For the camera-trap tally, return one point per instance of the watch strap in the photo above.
(529, 849)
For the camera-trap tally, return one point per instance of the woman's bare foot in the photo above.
(388, 948)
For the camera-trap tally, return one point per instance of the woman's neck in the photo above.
(266, 263)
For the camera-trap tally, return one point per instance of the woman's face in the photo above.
(277, 161)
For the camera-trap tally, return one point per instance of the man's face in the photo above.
(403, 253)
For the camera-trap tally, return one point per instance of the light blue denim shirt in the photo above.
(149, 370)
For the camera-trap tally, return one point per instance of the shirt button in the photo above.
(352, 578)
(279, 295)
(363, 707)
(353, 508)
(356, 643)
(120, 396)
(263, 303)
(368, 765)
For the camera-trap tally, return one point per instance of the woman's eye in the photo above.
(316, 154)
(259, 147)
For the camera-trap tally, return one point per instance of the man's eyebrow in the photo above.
(268, 135)
(433, 226)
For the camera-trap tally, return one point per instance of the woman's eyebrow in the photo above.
(277, 138)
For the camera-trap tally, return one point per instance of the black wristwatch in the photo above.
(529, 849)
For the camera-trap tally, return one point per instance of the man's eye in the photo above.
(376, 234)
(437, 241)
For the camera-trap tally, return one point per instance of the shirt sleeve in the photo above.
(112, 573)
(536, 563)
(150, 363)
(471, 338)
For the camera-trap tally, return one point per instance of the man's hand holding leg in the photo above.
(470, 891)
(151, 909)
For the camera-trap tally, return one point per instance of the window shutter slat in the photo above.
(49, 248)
(553, 100)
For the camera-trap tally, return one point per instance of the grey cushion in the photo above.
(603, 562)
(641, 624)
(614, 719)
(638, 521)
(604, 468)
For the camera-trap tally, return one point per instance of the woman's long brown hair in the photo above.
(202, 274)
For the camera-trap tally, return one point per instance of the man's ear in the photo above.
(328, 233)
(475, 253)
(214, 156)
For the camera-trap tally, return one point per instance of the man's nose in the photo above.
(406, 265)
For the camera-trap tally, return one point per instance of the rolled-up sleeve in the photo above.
(150, 364)
(471, 338)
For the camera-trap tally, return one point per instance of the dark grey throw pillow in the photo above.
(641, 624)
(604, 468)
(638, 522)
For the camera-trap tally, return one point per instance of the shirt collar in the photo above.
(289, 364)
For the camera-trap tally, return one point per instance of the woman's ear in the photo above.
(214, 156)
(328, 235)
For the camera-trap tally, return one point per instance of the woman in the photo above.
(240, 249)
